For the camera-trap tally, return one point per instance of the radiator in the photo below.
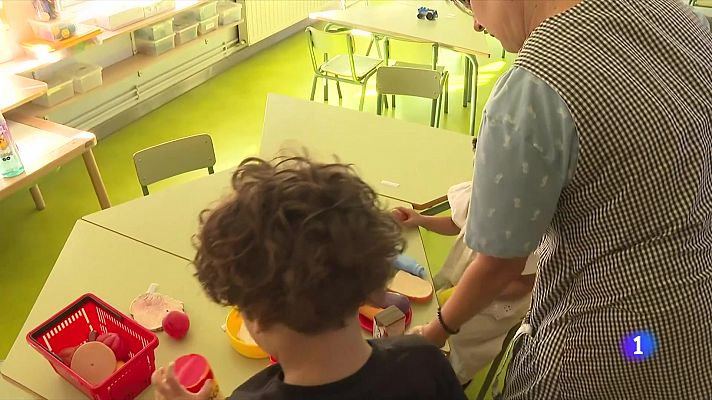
(267, 17)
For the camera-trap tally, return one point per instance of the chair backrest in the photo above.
(411, 52)
(174, 158)
(332, 43)
(419, 82)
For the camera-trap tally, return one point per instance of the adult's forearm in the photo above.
(440, 225)
(484, 280)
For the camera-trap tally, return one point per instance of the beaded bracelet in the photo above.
(446, 328)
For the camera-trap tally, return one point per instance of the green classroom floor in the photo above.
(230, 107)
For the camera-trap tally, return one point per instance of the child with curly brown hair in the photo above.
(298, 247)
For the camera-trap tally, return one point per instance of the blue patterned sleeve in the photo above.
(526, 154)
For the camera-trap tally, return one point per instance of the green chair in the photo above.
(408, 81)
(340, 63)
(494, 367)
(422, 55)
(174, 158)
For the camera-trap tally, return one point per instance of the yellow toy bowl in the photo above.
(232, 327)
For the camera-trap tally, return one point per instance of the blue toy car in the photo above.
(427, 13)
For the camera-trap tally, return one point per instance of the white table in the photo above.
(45, 146)
(453, 29)
(424, 162)
(117, 268)
(401, 160)
(706, 11)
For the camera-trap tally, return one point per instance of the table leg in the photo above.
(467, 81)
(473, 88)
(37, 197)
(96, 181)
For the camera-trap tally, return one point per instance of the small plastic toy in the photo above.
(176, 324)
(427, 13)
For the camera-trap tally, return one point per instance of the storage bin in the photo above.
(86, 77)
(71, 327)
(53, 31)
(229, 12)
(185, 32)
(205, 10)
(157, 31)
(208, 25)
(118, 18)
(156, 47)
(59, 89)
(156, 7)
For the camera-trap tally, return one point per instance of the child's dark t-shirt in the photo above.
(407, 367)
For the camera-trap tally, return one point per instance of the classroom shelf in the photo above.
(131, 66)
(25, 63)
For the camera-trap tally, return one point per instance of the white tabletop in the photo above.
(402, 160)
(452, 29)
(707, 11)
(166, 219)
(117, 268)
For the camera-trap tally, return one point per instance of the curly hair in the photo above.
(299, 243)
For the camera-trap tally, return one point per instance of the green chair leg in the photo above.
(379, 104)
(466, 83)
(433, 113)
(363, 96)
(338, 90)
(447, 92)
(495, 363)
(326, 90)
(313, 90)
(393, 101)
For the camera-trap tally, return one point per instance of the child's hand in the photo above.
(168, 388)
(407, 217)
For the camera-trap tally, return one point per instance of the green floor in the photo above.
(230, 107)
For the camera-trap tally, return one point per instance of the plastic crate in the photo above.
(208, 25)
(185, 32)
(71, 327)
(59, 89)
(229, 12)
(205, 10)
(156, 47)
(157, 31)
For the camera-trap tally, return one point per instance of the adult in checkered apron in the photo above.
(596, 147)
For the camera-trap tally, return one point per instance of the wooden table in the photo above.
(44, 146)
(17, 90)
(117, 268)
(401, 160)
(453, 29)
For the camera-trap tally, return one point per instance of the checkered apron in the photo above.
(630, 246)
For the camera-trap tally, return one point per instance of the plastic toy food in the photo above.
(399, 215)
(94, 361)
(411, 286)
(176, 324)
(192, 371)
(369, 311)
(150, 308)
(119, 364)
(66, 354)
(427, 13)
(116, 344)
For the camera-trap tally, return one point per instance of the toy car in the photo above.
(427, 13)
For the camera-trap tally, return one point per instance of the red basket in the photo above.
(71, 327)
